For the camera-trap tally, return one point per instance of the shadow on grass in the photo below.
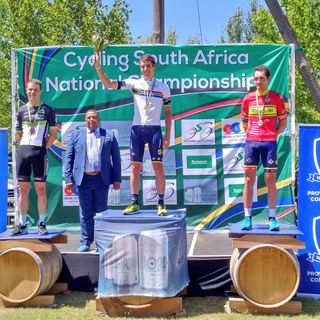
(75, 299)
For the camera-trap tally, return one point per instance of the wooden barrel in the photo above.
(26, 274)
(265, 275)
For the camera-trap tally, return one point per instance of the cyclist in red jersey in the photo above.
(260, 111)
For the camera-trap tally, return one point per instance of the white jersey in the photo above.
(149, 97)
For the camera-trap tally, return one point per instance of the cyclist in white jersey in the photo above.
(35, 132)
(150, 95)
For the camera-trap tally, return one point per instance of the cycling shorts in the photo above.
(32, 159)
(140, 135)
(266, 150)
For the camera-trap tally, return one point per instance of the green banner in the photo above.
(203, 165)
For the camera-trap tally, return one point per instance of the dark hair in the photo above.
(35, 81)
(264, 69)
(148, 57)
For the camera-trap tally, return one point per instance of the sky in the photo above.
(183, 16)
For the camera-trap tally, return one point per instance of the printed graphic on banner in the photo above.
(315, 177)
(169, 163)
(234, 190)
(199, 162)
(69, 199)
(150, 194)
(198, 132)
(125, 162)
(232, 132)
(200, 191)
(233, 159)
(316, 234)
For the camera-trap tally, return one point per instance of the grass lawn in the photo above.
(81, 305)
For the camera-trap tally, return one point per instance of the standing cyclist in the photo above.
(149, 95)
(35, 132)
(260, 111)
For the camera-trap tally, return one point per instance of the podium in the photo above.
(142, 262)
(264, 269)
(29, 267)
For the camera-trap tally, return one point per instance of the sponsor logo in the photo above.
(236, 159)
(202, 129)
(315, 177)
(233, 128)
(151, 193)
(203, 162)
(236, 190)
(315, 233)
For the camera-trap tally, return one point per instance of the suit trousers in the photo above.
(93, 198)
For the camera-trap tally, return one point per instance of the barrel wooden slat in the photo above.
(26, 274)
(265, 275)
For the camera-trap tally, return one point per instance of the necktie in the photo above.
(94, 150)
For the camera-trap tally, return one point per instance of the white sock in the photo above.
(247, 212)
(41, 218)
(23, 220)
(272, 213)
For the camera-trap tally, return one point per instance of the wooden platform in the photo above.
(237, 304)
(139, 306)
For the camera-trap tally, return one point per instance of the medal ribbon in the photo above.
(35, 116)
(148, 97)
(260, 112)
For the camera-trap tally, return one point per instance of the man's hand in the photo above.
(116, 185)
(166, 141)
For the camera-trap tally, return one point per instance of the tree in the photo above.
(54, 22)
(194, 40)
(304, 17)
(172, 36)
(302, 62)
(239, 27)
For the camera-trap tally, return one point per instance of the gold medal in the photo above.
(260, 122)
(32, 130)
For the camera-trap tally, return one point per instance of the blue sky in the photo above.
(183, 16)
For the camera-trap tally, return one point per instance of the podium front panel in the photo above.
(141, 254)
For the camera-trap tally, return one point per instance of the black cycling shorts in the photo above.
(32, 159)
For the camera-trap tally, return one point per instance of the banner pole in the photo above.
(293, 115)
(13, 135)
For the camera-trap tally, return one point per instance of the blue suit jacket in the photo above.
(75, 157)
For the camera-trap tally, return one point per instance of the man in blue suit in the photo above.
(92, 163)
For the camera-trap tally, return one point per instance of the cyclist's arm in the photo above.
(282, 126)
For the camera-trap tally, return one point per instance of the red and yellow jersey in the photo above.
(261, 113)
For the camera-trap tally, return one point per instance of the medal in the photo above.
(260, 109)
(148, 96)
(33, 119)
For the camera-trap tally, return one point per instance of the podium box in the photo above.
(141, 254)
